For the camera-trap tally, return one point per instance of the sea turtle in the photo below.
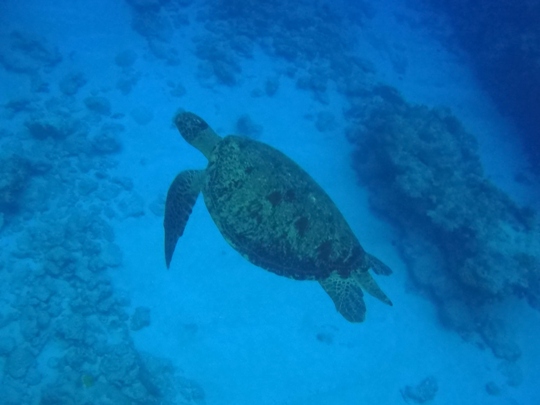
(272, 212)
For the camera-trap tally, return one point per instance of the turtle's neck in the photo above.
(206, 141)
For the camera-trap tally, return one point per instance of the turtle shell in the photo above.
(271, 211)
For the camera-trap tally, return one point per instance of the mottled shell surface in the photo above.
(274, 213)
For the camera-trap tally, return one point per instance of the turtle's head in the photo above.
(196, 132)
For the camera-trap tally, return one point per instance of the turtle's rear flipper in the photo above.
(378, 267)
(370, 286)
(347, 296)
(181, 197)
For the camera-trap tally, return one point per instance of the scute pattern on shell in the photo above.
(275, 214)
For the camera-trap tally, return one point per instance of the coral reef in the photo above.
(65, 330)
(464, 238)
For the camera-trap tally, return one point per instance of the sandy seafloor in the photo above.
(245, 335)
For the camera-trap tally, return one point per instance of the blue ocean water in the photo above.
(417, 119)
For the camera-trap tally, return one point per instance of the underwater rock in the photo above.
(226, 72)
(131, 206)
(19, 105)
(217, 60)
(154, 26)
(19, 362)
(55, 127)
(425, 391)
(107, 141)
(108, 191)
(125, 182)
(245, 126)
(242, 45)
(120, 365)
(126, 83)
(98, 104)
(140, 318)
(162, 50)
(71, 83)
(39, 164)
(313, 80)
(22, 52)
(59, 261)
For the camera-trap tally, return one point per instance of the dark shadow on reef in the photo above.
(502, 39)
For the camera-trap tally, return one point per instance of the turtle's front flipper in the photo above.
(181, 197)
(347, 296)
